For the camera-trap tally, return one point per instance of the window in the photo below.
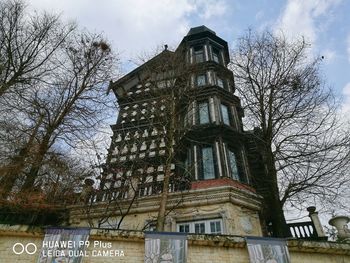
(187, 164)
(220, 82)
(199, 228)
(208, 168)
(213, 226)
(232, 162)
(198, 54)
(216, 55)
(201, 80)
(184, 228)
(203, 113)
(225, 114)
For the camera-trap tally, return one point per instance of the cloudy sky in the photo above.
(137, 26)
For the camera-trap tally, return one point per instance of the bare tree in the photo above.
(63, 103)
(170, 83)
(304, 148)
(27, 44)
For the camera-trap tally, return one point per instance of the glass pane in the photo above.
(212, 227)
(216, 55)
(233, 165)
(208, 163)
(198, 54)
(199, 228)
(201, 81)
(225, 114)
(184, 228)
(181, 228)
(220, 82)
(215, 227)
(199, 57)
(203, 113)
(187, 165)
(218, 227)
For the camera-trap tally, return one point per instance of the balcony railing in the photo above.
(303, 230)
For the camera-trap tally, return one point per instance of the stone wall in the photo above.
(238, 208)
(201, 248)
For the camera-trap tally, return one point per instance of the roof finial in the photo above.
(165, 47)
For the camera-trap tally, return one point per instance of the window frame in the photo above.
(241, 171)
(198, 51)
(218, 55)
(199, 112)
(200, 166)
(229, 153)
(205, 80)
(229, 114)
(218, 77)
(207, 226)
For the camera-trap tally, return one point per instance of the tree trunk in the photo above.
(164, 199)
(34, 170)
(12, 171)
(169, 153)
(274, 205)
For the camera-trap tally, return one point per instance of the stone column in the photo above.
(316, 221)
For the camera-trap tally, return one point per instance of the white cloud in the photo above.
(210, 8)
(299, 17)
(329, 55)
(259, 15)
(135, 26)
(346, 89)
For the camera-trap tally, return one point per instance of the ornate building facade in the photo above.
(178, 115)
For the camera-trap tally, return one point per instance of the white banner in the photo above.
(267, 250)
(64, 245)
(165, 247)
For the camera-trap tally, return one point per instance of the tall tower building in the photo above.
(178, 115)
